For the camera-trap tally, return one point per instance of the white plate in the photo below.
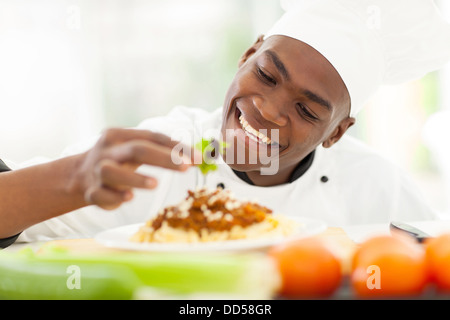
(119, 238)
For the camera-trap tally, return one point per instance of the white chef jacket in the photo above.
(361, 187)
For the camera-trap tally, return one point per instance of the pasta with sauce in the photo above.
(213, 215)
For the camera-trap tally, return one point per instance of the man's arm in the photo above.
(35, 194)
(104, 176)
(10, 240)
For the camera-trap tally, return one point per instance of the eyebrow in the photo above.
(278, 63)
(317, 99)
(283, 71)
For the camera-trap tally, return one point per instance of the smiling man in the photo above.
(285, 86)
(295, 94)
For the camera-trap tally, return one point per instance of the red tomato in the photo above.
(389, 266)
(307, 267)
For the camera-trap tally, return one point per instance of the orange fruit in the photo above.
(438, 259)
(389, 266)
(307, 268)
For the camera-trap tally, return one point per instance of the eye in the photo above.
(265, 77)
(305, 112)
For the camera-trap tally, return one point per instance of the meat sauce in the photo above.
(213, 211)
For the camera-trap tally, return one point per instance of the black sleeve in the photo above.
(7, 241)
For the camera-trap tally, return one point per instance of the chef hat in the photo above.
(370, 42)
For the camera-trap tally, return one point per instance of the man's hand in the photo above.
(107, 173)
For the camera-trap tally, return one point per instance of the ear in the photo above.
(251, 50)
(339, 132)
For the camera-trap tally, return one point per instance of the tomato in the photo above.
(438, 259)
(389, 266)
(307, 267)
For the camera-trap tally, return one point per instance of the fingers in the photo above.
(144, 152)
(106, 198)
(178, 148)
(135, 141)
(108, 173)
(121, 178)
(115, 184)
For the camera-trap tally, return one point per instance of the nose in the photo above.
(270, 111)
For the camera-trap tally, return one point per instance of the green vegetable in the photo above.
(48, 275)
(209, 147)
(23, 276)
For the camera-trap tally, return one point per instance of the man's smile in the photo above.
(265, 137)
(252, 133)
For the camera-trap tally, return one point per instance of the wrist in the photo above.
(75, 186)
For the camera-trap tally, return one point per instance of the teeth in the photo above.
(253, 133)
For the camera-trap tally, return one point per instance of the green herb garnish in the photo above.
(209, 148)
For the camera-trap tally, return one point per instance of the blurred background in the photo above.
(70, 68)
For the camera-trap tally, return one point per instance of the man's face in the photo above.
(283, 86)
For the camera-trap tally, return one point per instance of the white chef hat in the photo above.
(370, 42)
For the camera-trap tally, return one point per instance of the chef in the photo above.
(295, 94)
